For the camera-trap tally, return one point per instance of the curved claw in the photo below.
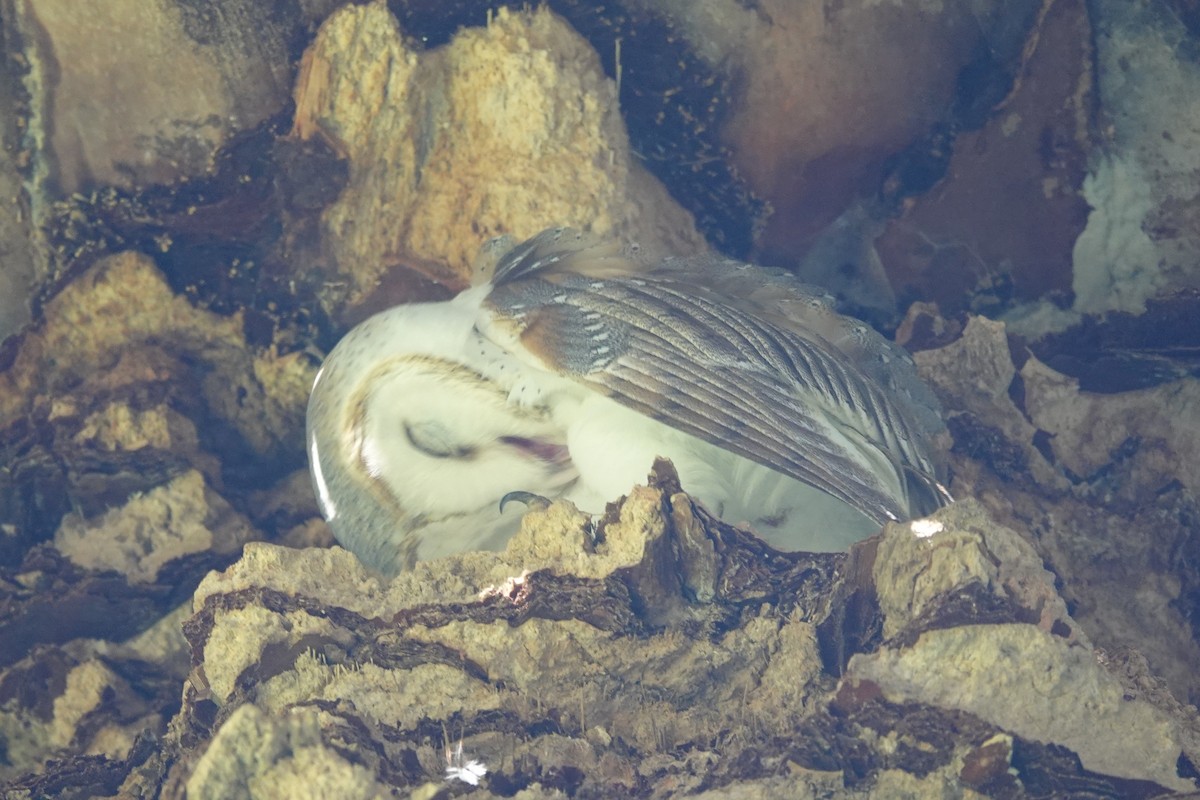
(530, 500)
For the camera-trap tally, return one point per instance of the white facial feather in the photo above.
(434, 434)
(571, 371)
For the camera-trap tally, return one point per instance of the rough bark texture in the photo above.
(173, 620)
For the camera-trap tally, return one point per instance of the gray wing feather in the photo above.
(788, 383)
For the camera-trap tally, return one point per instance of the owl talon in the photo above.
(530, 500)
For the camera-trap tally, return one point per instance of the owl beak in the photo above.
(556, 459)
(530, 500)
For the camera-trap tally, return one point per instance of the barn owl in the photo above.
(576, 364)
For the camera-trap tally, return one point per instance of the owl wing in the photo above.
(833, 416)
